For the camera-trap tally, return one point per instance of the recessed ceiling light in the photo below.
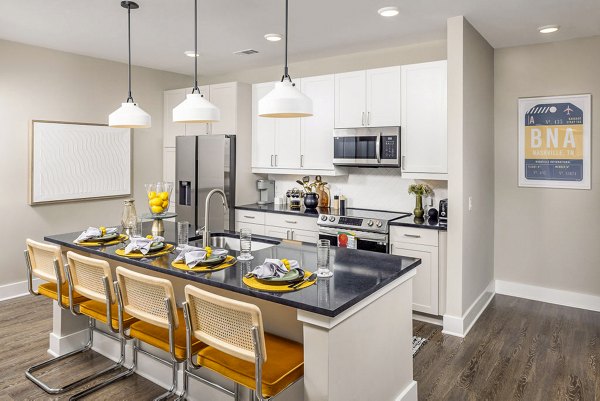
(388, 11)
(548, 28)
(273, 37)
(191, 53)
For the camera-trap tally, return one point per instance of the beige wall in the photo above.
(37, 83)
(470, 165)
(418, 53)
(546, 237)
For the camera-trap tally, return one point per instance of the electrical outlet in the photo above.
(470, 203)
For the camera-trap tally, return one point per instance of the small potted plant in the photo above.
(419, 190)
(311, 198)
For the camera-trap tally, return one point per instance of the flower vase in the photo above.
(419, 212)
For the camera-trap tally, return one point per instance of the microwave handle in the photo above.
(378, 148)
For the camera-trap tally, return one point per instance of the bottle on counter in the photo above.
(336, 202)
(129, 217)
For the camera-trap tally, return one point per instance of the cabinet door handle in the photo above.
(287, 234)
(368, 118)
(271, 160)
(291, 222)
(391, 247)
(412, 235)
(292, 235)
(301, 160)
(250, 217)
(275, 160)
(403, 162)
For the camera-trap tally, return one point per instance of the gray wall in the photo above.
(38, 83)
(545, 237)
(470, 165)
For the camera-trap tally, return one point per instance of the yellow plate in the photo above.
(138, 255)
(118, 240)
(229, 261)
(258, 285)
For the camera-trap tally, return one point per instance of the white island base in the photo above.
(363, 354)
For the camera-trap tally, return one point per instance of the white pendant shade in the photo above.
(285, 101)
(129, 115)
(196, 109)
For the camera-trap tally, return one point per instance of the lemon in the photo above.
(102, 230)
(151, 194)
(155, 202)
(156, 209)
(149, 236)
(165, 204)
(164, 196)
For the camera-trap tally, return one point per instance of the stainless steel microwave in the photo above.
(367, 147)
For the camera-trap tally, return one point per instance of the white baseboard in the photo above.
(428, 319)
(409, 393)
(18, 289)
(550, 295)
(460, 326)
(65, 344)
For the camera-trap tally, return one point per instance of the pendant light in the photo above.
(285, 101)
(195, 108)
(129, 115)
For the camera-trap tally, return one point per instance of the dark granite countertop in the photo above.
(284, 209)
(357, 274)
(412, 221)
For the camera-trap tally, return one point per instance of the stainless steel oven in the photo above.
(368, 147)
(365, 240)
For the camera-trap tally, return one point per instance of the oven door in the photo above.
(373, 150)
(365, 241)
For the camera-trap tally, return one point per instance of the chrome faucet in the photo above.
(205, 232)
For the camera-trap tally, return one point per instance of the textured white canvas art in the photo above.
(70, 161)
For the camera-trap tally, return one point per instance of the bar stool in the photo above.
(238, 346)
(44, 261)
(151, 300)
(93, 279)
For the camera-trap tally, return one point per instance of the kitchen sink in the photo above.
(233, 243)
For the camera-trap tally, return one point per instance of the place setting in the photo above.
(145, 247)
(279, 275)
(100, 236)
(203, 260)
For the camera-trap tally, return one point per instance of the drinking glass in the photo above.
(139, 228)
(245, 244)
(323, 258)
(183, 231)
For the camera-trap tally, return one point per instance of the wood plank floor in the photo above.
(518, 350)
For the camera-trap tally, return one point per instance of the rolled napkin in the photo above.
(193, 255)
(275, 268)
(93, 232)
(142, 244)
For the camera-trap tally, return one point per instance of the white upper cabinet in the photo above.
(316, 132)
(350, 99)
(170, 129)
(287, 143)
(368, 98)
(383, 97)
(224, 96)
(263, 130)
(198, 128)
(424, 120)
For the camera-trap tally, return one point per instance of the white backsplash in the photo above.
(369, 188)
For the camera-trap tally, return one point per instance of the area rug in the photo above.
(417, 344)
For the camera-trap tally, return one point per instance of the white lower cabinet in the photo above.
(255, 229)
(277, 232)
(305, 236)
(418, 243)
(282, 226)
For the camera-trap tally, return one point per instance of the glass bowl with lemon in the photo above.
(159, 197)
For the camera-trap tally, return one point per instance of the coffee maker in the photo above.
(267, 191)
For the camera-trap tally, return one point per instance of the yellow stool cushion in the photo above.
(97, 310)
(49, 290)
(159, 337)
(284, 365)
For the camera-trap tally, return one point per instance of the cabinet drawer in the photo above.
(305, 236)
(290, 221)
(248, 216)
(412, 235)
(256, 229)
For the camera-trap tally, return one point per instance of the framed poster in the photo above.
(554, 142)
(78, 161)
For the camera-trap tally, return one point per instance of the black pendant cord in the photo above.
(285, 70)
(196, 48)
(129, 98)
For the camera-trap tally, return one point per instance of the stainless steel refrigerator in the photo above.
(204, 163)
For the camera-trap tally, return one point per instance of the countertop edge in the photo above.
(423, 226)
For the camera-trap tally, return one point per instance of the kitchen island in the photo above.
(356, 327)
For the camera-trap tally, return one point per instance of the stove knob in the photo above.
(370, 223)
(379, 224)
(332, 218)
(324, 218)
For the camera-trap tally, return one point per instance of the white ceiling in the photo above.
(163, 29)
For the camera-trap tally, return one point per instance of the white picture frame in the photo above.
(554, 142)
(71, 161)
